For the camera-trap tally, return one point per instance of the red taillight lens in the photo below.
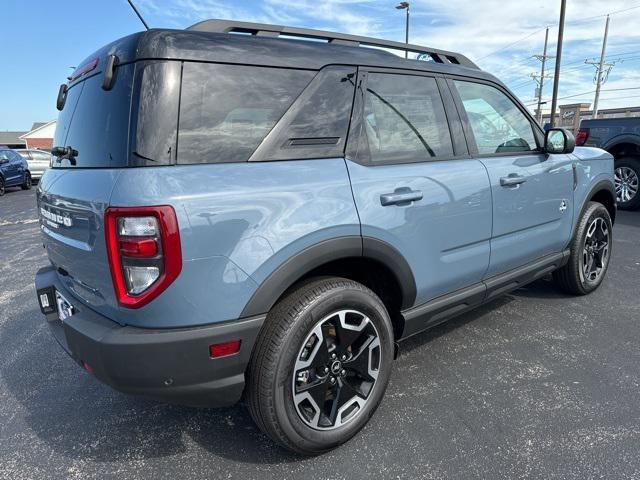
(582, 136)
(145, 255)
(224, 349)
(142, 248)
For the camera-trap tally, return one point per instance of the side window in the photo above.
(404, 119)
(227, 110)
(497, 123)
(316, 124)
(45, 157)
(156, 126)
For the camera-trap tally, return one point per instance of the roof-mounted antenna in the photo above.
(138, 14)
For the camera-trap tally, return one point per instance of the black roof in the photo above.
(232, 48)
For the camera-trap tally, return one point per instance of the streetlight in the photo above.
(405, 6)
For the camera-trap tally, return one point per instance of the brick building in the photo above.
(40, 136)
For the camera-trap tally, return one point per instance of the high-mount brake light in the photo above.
(84, 69)
(145, 256)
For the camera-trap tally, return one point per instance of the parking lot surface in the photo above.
(537, 384)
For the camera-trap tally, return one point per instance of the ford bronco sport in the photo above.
(233, 215)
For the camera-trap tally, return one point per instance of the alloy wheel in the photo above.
(626, 180)
(336, 370)
(595, 253)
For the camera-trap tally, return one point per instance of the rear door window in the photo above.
(404, 119)
(227, 110)
(498, 125)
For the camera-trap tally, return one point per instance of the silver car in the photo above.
(38, 161)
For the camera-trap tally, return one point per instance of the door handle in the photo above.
(400, 196)
(512, 180)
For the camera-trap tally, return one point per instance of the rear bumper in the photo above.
(170, 365)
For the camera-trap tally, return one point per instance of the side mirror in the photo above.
(3, 161)
(559, 140)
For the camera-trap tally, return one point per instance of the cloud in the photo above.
(501, 36)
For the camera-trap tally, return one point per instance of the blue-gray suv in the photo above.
(232, 215)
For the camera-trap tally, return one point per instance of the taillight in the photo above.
(582, 136)
(145, 256)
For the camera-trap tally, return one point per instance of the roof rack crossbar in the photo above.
(264, 29)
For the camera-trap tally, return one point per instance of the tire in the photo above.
(26, 185)
(627, 177)
(583, 274)
(2, 188)
(282, 406)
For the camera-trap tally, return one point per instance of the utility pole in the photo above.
(405, 6)
(556, 74)
(600, 68)
(540, 79)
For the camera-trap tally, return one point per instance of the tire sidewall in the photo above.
(2, 187)
(331, 301)
(593, 211)
(633, 164)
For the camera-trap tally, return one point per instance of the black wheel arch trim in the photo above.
(389, 256)
(296, 267)
(624, 138)
(601, 185)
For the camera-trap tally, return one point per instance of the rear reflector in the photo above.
(87, 367)
(224, 349)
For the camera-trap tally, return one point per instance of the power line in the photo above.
(615, 12)
(512, 44)
(592, 91)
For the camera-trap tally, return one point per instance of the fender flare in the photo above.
(601, 185)
(623, 138)
(294, 268)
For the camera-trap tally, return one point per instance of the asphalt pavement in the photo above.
(537, 384)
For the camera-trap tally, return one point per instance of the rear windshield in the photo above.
(95, 122)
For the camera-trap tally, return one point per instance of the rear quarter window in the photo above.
(227, 110)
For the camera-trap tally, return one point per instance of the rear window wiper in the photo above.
(62, 153)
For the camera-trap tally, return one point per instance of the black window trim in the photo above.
(466, 126)
(357, 150)
(261, 153)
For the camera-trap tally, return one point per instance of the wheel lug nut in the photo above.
(333, 356)
(332, 379)
(326, 369)
(343, 372)
(343, 358)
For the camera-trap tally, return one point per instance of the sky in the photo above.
(41, 39)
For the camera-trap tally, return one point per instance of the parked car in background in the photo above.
(38, 161)
(14, 170)
(232, 215)
(621, 138)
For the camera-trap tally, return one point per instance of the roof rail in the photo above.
(267, 30)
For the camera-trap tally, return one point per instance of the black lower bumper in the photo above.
(170, 365)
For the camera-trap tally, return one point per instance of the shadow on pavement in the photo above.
(80, 418)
